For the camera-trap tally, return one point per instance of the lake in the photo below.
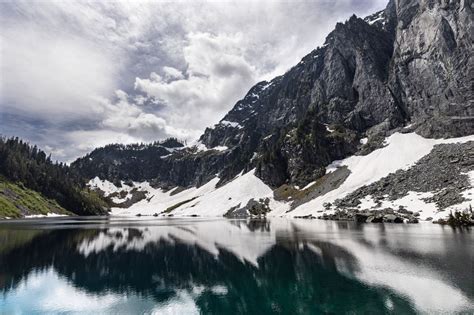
(215, 266)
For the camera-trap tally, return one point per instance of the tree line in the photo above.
(23, 163)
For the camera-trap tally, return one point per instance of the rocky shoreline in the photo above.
(387, 215)
(456, 219)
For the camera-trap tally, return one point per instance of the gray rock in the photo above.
(253, 208)
(361, 217)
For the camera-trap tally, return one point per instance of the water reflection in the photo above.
(233, 266)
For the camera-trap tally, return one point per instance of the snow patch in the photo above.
(329, 129)
(109, 188)
(230, 124)
(220, 148)
(237, 192)
(413, 201)
(159, 200)
(367, 203)
(309, 185)
(48, 215)
(200, 146)
(266, 86)
(254, 156)
(103, 185)
(378, 17)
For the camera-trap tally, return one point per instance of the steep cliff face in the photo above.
(410, 64)
(279, 125)
(404, 65)
(432, 65)
(343, 82)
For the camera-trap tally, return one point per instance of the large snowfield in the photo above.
(402, 150)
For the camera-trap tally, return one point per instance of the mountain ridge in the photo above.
(402, 69)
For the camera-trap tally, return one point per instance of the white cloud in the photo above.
(217, 75)
(59, 153)
(128, 117)
(172, 73)
(52, 74)
(121, 121)
(86, 140)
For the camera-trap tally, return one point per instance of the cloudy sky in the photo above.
(77, 75)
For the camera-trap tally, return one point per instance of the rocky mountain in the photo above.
(407, 68)
(132, 162)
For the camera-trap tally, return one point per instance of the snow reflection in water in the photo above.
(191, 266)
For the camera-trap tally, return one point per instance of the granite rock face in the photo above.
(410, 64)
(432, 65)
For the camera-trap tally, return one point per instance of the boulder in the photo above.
(361, 217)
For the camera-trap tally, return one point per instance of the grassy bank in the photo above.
(16, 201)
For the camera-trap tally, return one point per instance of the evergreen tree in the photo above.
(31, 167)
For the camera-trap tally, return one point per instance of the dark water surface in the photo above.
(216, 266)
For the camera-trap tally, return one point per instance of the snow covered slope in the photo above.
(401, 151)
(206, 200)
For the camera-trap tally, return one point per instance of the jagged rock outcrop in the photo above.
(410, 64)
(253, 208)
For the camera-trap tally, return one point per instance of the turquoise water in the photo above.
(217, 266)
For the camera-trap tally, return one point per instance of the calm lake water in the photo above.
(216, 266)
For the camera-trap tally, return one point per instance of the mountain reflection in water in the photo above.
(112, 265)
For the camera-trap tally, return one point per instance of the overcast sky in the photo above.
(77, 75)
